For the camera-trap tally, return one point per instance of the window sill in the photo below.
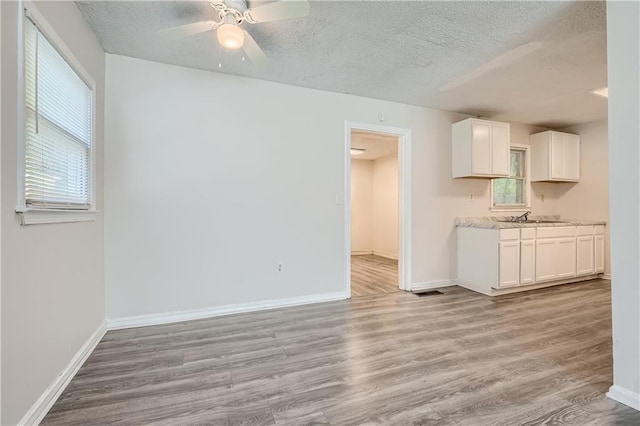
(510, 209)
(37, 216)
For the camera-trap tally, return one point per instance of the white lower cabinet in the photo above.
(585, 255)
(509, 263)
(598, 253)
(555, 253)
(491, 260)
(527, 261)
(566, 258)
(555, 259)
(546, 260)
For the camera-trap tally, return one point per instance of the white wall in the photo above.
(623, 51)
(52, 275)
(0, 221)
(589, 199)
(374, 206)
(361, 206)
(385, 206)
(207, 193)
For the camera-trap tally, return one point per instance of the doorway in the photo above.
(377, 209)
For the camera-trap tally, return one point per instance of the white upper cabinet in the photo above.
(555, 157)
(480, 148)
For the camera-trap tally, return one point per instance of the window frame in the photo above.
(36, 215)
(527, 184)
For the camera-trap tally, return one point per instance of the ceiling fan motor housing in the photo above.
(232, 11)
(239, 6)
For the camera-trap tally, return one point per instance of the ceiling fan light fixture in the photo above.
(230, 36)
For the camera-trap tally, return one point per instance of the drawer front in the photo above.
(585, 230)
(555, 231)
(528, 233)
(599, 230)
(509, 234)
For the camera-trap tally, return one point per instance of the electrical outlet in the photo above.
(279, 269)
(471, 196)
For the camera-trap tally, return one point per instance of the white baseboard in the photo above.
(624, 396)
(429, 285)
(487, 290)
(43, 404)
(178, 316)
(376, 253)
(387, 255)
(361, 252)
(472, 286)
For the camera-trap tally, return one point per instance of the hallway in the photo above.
(371, 274)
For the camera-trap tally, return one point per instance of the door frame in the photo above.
(404, 199)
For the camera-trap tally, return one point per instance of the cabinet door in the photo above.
(546, 260)
(566, 258)
(500, 150)
(571, 157)
(599, 253)
(481, 149)
(509, 263)
(557, 155)
(584, 255)
(527, 261)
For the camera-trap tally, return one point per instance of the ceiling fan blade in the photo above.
(285, 9)
(253, 51)
(189, 29)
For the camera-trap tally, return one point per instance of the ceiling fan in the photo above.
(232, 13)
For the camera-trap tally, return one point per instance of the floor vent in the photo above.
(428, 293)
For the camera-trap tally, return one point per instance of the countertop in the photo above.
(492, 222)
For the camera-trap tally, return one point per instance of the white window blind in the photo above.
(511, 191)
(58, 128)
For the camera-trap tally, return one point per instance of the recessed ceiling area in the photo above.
(375, 145)
(522, 61)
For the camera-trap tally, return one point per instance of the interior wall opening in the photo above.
(374, 213)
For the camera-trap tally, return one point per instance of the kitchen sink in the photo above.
(531, 221)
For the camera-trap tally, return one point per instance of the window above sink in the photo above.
(513, 192)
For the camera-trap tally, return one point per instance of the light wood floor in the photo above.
(541, 357)
(371, 274)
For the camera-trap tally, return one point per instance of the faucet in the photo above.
(522, 218)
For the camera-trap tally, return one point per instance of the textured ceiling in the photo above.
(530, 62)
(376, 145)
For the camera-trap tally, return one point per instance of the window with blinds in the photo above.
(512, 191)
(58, 128)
